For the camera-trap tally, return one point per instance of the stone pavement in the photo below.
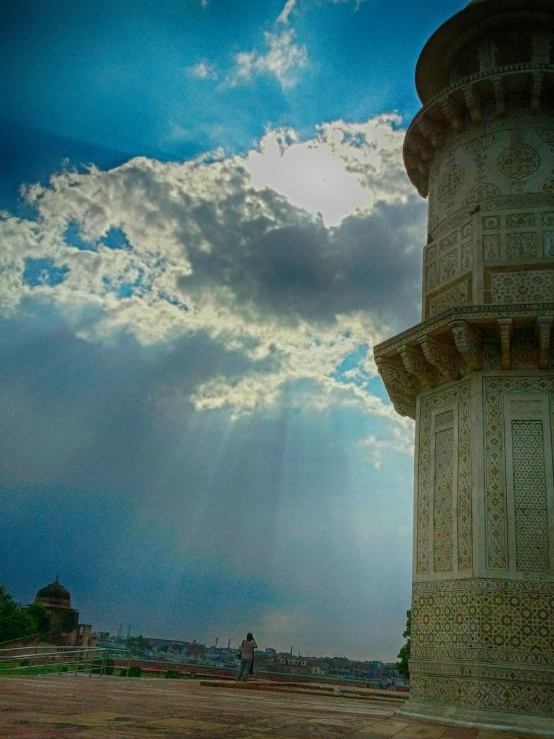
(53, 706)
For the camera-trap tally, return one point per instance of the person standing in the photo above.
(246, 656)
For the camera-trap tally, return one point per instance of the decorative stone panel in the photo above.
(530, 496)
(448, 242)
(515, 618)
(491, 247)
(517, 287)
(457, 295)
(522, 459)
(521, 246)
(520, 220)
(442, 500)
(431, 277)
(450, 491)
(548, 243)
(449, 266)
(467, 255)
(491, 223)
(518, 161)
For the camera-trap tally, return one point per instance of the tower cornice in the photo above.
(463, 102)
(435, 62)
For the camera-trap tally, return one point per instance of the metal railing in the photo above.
(50, 659)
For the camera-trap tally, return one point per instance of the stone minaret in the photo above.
(477, 374)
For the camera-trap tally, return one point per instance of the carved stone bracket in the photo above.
(416, 363)
(468, 343)
(536, 88)
(544, 330)
(474, 103)
(440, 355)
(402, 386)
(432, 131)
(453, 114)
(505, 329)
(499, 95)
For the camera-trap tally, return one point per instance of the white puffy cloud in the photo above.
(287, 9)
(203, 70)
(288, 259)
(401, 441)
(283, 59)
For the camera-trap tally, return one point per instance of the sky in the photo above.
(205, 228)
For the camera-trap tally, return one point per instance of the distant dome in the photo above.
(54, 592)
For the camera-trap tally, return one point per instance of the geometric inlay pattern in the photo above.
(496, 521)
(457, 295)
(450, 618)
(442, 500)
(461, 487)
(491, 694)
(520, 287)
(484, 643)
(531, 511)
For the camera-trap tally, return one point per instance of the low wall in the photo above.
(155, 667)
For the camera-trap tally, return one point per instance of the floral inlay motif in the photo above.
(520, 246)
(480, 144)
(449, 241)
(467, 255)
(520, 220)
(450, 183)
(431, 276)
(519, 161)
(467, 230)
(547, 135)
(548, 187)
(491, 222)
(480, 192)
(491, 247)
(548, 243)
(448, 266)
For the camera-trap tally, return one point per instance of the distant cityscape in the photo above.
(267, 660)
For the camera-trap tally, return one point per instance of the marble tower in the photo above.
(477, 374)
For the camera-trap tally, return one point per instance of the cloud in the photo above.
(283, 60)
(203, 70)
(288, 258)
(400, 442)
(205, 3)
(287, 9)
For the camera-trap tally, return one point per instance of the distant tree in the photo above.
(41, 616)
(404, 654)
(137, 643)
(15, 622)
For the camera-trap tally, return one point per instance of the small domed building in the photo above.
(63, 618)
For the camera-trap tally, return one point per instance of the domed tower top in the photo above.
(54, 595)
(478, 39)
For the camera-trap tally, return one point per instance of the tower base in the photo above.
(478, 718)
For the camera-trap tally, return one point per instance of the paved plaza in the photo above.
(49, 707)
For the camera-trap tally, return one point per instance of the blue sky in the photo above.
(205, 227)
